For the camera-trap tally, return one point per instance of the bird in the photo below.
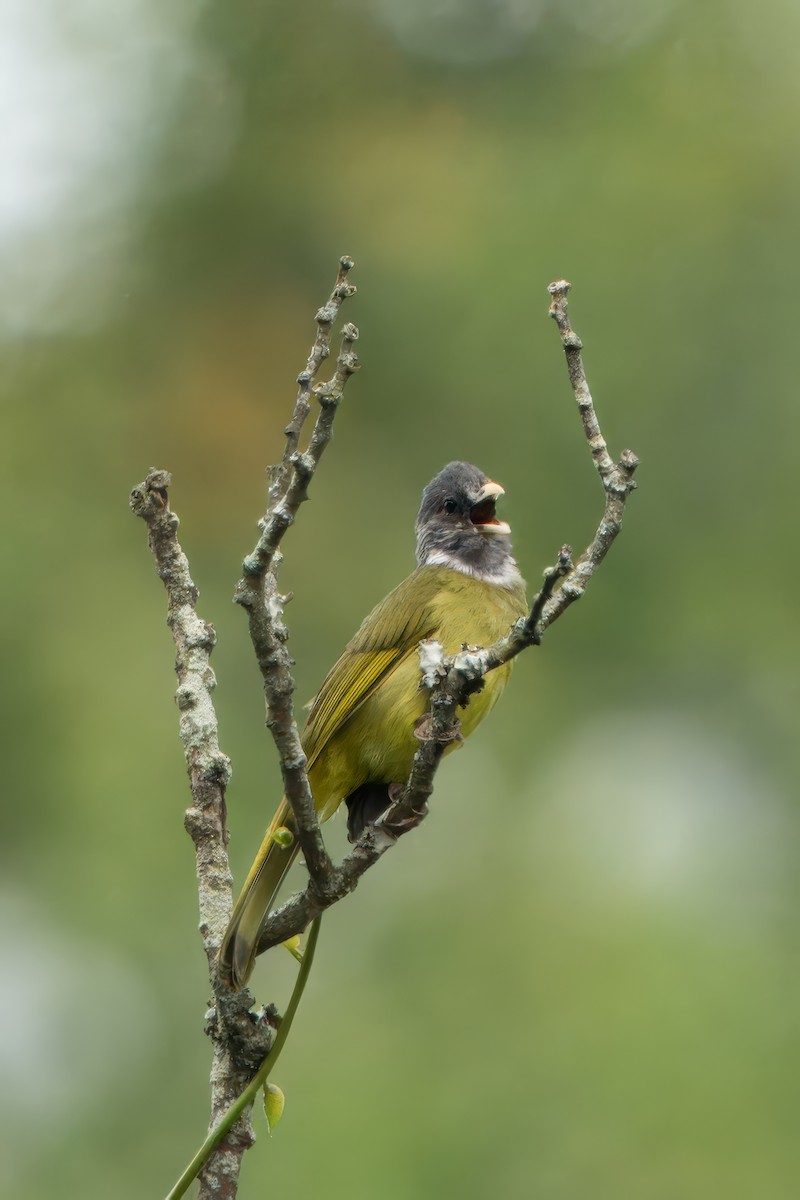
(359, 734)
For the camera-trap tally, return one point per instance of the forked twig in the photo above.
(452, 679)
(242, 1040)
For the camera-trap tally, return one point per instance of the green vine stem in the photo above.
(259, 1079)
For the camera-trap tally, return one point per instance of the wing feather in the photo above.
(390, 632)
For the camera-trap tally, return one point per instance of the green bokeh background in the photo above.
(580, 978)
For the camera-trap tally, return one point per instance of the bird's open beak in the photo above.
(482, 513)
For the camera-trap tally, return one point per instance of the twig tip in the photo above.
(152, 492)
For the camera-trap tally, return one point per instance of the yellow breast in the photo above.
(377, 742)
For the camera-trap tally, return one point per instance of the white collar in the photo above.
(508, 575)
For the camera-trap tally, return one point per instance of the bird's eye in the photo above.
(450, 505)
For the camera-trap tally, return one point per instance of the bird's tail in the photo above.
(240, 943)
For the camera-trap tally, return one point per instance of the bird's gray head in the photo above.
(457, 526)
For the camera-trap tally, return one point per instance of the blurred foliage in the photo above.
(580, 978)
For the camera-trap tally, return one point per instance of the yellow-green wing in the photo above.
(390, 632)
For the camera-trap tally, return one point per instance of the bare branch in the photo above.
(209, 769)
(280, 474)
(451, 680)
(239, 1042)
(257, 590)
(617, 478)
(289, 479)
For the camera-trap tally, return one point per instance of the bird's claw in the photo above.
(423, 730)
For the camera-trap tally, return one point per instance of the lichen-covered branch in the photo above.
(451, 680)
(240, 1042)
(280, 475)
(257, 590)
(617, 477)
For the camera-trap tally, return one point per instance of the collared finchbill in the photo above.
(482, 514)
(359, 736)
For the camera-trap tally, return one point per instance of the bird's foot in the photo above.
(397, 828)
(423, 730)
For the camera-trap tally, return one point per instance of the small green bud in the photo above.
(283, 837)
(274, 1101)
(292, 944)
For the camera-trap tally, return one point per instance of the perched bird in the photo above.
(359, 736)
